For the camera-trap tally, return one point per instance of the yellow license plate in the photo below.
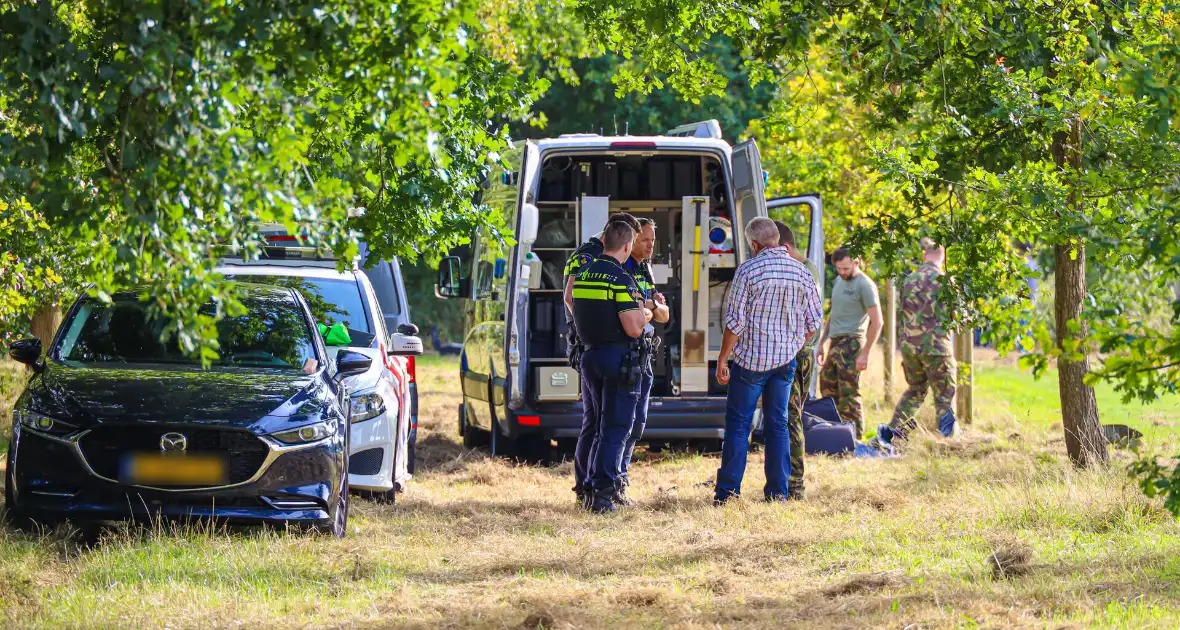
(174, 469)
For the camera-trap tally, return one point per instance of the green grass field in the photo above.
(993, 529)
(1032, 400)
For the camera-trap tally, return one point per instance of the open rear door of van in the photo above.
(749, 188)
(813, 207)
(510, 390)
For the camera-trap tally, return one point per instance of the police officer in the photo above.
(587, 253)
(609, 318)
(655, 302)
(926, 356)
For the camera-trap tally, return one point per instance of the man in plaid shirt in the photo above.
(772, 310)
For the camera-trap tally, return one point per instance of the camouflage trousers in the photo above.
(804, 366)
(839, 380)
(922, 372)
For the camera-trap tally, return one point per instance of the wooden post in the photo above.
(965, 355)
(890, 335)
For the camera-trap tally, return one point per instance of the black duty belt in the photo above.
(603, 346)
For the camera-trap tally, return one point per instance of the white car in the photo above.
(380, 409)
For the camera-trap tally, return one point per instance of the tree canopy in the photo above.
(147, 134)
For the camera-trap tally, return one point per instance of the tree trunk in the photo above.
(1084, 440)
(1079, 410)
(45, 323)
(44, 326)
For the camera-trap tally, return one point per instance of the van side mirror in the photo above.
(449, 283)
(27, 351)
(351, 363)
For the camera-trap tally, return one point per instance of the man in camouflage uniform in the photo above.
(926, 356)
(801, 385)
(854, 323)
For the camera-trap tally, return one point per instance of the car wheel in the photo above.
(12, 514)
(339, 526)
(385, 497)
(472, 437)
(531, 449)
(706, 447)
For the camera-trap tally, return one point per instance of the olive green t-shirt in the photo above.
(851, 300)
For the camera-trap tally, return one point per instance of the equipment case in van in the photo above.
(557, 383)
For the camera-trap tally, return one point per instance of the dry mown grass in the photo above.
(993, 530)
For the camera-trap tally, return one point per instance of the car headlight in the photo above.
(42, 423)
(366, 406)
(305, 434)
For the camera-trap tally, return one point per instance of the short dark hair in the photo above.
(644, 222)
(840, 254)
(785, 235)
(616, 235)
(625, 217)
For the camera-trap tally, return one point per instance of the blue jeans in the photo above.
(615, 413)
(638, 426)
(745, 388)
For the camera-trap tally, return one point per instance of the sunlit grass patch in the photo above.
(485, 543)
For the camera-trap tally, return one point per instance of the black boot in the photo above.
(620, 498)
(603, 502)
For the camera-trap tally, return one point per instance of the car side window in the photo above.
(379, 314)
(385, 286)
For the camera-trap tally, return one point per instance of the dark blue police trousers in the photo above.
(607, 420)
(639, 425)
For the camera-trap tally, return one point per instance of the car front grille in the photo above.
(106, 447)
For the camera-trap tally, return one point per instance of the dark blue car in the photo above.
(119, 422)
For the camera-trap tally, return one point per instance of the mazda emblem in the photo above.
(173, 442)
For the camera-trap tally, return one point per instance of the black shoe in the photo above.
(720, 500)
(620, 499)
(603, 505)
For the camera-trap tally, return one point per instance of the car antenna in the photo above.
(615, 119)
(626, 127)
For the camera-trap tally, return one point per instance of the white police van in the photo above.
(382, 413)
(551, 195)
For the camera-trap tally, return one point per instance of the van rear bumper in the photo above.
(667, 419)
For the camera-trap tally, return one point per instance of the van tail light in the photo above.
(529, 421)
(411, 375)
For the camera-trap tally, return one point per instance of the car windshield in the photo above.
(273, 333)
(331, 300)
